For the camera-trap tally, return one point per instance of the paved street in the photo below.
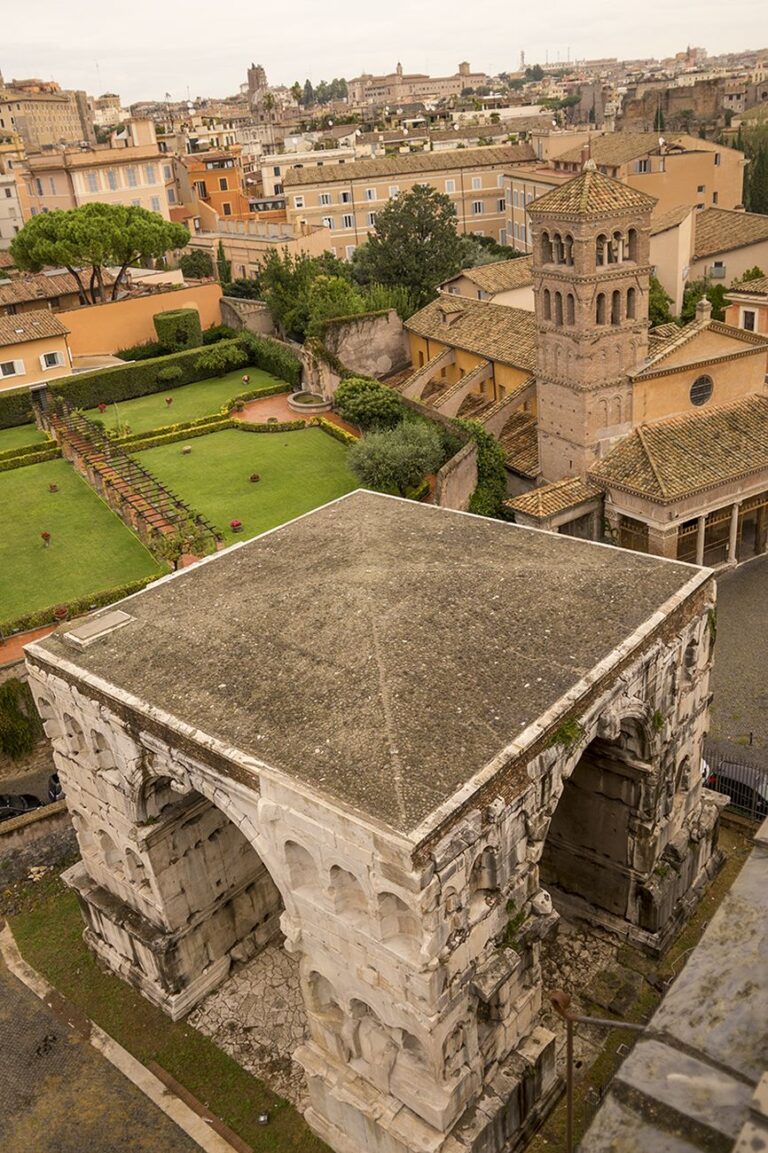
(740, 682)
(58, 1095)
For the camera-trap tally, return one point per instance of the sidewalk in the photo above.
(11, 648)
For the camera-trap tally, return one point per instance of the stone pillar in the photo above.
(701, 533)
(662, 542)
(734, 533)
(761, 531)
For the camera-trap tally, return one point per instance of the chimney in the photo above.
(704, 309)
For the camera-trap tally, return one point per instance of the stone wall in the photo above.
(43, 837)
(457, 479)
(373, 344)
(249, 315)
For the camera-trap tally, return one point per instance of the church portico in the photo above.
(393, 788)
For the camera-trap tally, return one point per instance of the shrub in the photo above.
(221, 359)
(170, 374)
(20, 459)
(397, 459)
(368, 403)
(271, 356)
(20, 725)
(15, 408)
(107, 385)
(333, 430)
(218, 332)
(196, 264)
(179, 329)
(145, 351)
(490, 494)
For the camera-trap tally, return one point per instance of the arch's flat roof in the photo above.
(380, 651)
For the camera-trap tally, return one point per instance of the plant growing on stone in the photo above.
(20, 725)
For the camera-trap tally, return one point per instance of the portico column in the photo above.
(734, 532)
(700, 534)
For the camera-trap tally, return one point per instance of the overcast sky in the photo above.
(145, 48)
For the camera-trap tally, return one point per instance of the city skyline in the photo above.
(79, 50)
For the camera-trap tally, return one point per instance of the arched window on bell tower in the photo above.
(631, 303)
(570, 309)
(557, 248)
(568, 249)
(558, 309)
(617, 248)
(601, 250)
(600, 308)
(547, 304)
(546, 248)
(616, 307)
(632, 244)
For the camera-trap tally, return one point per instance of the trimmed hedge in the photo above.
(15, 408)
(181, 426)
(272, 356)
(153, 440)
(335, 431)
(24, 457)
(126, 381)
(27, 449)
(76, 608)
(286, 426)
(178, 329)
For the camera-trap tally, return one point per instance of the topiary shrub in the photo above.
(146, 351)
(179, 329)
(218, 332)
(271, 356)
(367, 403)
(221, 359)
(171, 374)
(20, 725)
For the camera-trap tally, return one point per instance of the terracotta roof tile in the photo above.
(413, 163)
(520, 440)
(686, 454)
(40, 286)
(550, 499)
(493, 331)
(722, 229)
(670, 219)
(617, 148)
(30, 326)
(674, 338)
(591, 194)
(758, 287)
(501, 276)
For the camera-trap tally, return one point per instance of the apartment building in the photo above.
(344, 198)
(129, 170)
(271, 168)
(11, 155)
(213, 179)
(33, 349)
(43, 115)
(246, 243)
(397, 86)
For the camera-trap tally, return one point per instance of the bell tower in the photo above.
(591, 243)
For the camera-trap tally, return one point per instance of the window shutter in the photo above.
(19, 368)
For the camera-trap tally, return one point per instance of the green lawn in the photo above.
(50, 935)
(90, 549)
(21, 436)
(146, 413)
(299, 471)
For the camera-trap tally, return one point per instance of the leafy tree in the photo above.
(535, 73)
(330, 297)
(196, 264)
(220, 359)
(368, 404)
(296, 91)
(284, 283)
(754, 273)
(491, 490)
(308, 97)
(695, 290)
(396, 460)
(397, 296)
(658, 120)
(190, 539)
(243, 288)
(20, 725)
(415, 242)
(658, 303)
(94, 236)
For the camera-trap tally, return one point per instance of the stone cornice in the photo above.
(651, 372)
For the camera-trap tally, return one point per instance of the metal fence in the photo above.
(745, 784)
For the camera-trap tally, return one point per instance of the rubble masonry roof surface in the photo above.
(377, 650)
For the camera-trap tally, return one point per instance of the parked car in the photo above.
(16, 806)
(745, 785)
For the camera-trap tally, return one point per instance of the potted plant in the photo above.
(236, 525)
(46, 538)
(61, 612)
(254, 478)
(53, 487)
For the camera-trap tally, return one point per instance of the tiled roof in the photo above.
(30, 326)
(757, 287)
(415, 162)
(6, 261)
(674, 338)
(592, 194)
(616, 148)
(501, 275)
(494, 331)
(671, 219)
(686, 454)
(40, 286)
(550, 499)
(520, 441)
(721, 229)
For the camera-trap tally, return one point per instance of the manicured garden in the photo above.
(20, 436)
(298, 471)
(89, 550)
(191, 401)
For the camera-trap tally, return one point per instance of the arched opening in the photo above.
(547, 304)
(483, 884)
(632, 244)
(588, 855)
(558, 309)
(616, 307)
(600, 308)
(568, 249)
(601, 250)
(570, 309)
(399, 926)
(546, 248)
(112, 857)
(301, 866)
(617, 248)
(349, 900)
(73, 731)
(631, 303)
